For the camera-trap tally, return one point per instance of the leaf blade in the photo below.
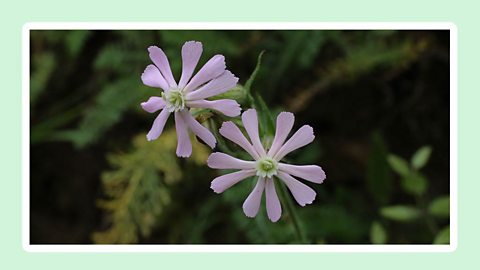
(421, 157)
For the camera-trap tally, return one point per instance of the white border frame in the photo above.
(238, 248)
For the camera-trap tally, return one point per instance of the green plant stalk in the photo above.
(287, 202)
(432, 226)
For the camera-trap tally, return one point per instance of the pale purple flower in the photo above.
(190, 92)
(266, 164)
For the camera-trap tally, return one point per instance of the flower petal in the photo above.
(212, 69)
(230, 131)
(228, 107)
(191, 52)
(217, 86)
(224, 182)
(274, 209)
(198, 129)
(250, 122)
(160, 60)
(302, 193)
(153, 104)
(312, 173)
(152, 77)
(285, 122)
(219, 160)
(158, 125)
(301, 138)
(252, 203)
(184, 146)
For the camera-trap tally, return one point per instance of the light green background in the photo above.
(16, 13)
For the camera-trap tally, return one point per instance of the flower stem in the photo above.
(287, 202)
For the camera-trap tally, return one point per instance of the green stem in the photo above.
(432, 226)
(287, 202)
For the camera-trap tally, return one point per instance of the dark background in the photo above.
(367, 94)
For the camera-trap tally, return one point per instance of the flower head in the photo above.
(190, 92)
(266, 164)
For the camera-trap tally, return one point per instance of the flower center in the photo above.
(175, 100)
(266, 167)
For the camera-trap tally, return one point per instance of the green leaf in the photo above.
(109, 106)
(415, 184)
(443, 237)
(421, 157)
(440, 207)
(401, 213)
(399, 165)
(137, 190)
(248, 84)
(332, 221)
(267, 122)
(379, 178)
(378, 235)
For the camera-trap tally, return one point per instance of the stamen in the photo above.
(175, 100)
(267, 167)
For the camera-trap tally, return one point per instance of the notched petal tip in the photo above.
(193, 43)
(184, 155)
(226, 127)
(287, 114)
(214, 188)
(309, 201)
(249, 111)
(275, 219)
(234, 110)
(285, 117)
(231, 75)
(149, 138)
(322, 176)
(308, 130)
(152, 47)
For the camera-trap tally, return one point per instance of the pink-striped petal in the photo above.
(160, 60)
(212, 69)
(217, 86)
(302, 193)
(224, 182)
(158, 125)
(311, 173)
(153, 104)
(184, 146)
(252, 203)
(250, 122)
(228, 107)
(219, 160)
(301, 138)
(230, 131)
(285, 122)
(152, 77)
(274, 209)
(191, 52)
(198, 129)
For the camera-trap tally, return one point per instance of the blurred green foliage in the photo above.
(416, 184)
(138, 189)
(85, 96)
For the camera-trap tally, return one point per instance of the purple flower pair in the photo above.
(193, 92)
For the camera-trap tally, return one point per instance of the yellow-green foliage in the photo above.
(137, 188)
